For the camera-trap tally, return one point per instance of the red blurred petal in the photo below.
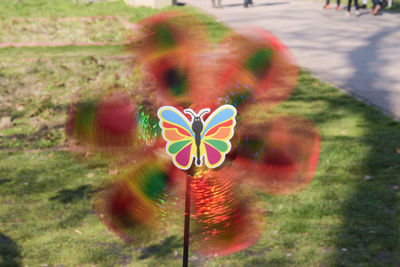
(115, 123)
(168, 50)
(132, 205)
(278, 157)
(258, 68)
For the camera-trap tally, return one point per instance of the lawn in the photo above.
(395, 6)
(348, 215)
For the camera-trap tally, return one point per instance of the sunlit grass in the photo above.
(341, 218)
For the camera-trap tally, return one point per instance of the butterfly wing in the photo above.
(177, 132)
(218, 130)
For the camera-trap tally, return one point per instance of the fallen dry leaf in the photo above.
(77, 231)
(19, 107)
(5, 122)
(113, 171)
(368, 177)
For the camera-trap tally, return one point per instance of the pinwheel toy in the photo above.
(204, 132)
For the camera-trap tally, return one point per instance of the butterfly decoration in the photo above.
(208, 140)
(208, 119)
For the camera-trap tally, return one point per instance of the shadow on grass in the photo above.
(165, 248)
(370, 225)
(368, 233)
(3, 181)
(9, 252)
(71, 195)
(75, 219)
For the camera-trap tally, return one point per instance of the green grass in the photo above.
(61, 8)
(46, 213)
(60, 51)
(53, 30)
(42, 31)
(39, 91)
(46, 192)
(395, 6)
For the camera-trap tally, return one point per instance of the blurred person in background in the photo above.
(378, 4)
(219, 4)
(327, 5)
(249, 2)
(364, 5)
(357, 13)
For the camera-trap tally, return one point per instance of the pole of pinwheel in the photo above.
(187, 222)
(186, 230)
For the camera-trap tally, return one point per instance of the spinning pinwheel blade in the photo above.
(198, 124)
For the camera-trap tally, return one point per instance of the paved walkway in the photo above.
(360, 55)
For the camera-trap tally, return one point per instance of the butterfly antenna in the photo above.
(189, 111)
(204, 112)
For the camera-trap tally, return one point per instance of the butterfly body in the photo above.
(208, 141)
(197, 127)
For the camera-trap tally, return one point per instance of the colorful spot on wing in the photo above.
(176, 147)
(183, 157)
(174, 117)
(180, 129)
(221, 116)
(223, 133)
(173, 135)
(215, 129)
(220, 145)
(213, 156)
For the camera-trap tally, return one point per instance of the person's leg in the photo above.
(219, 4)
(376, 9)
(338, 5)
(357, 11)
(348, 6)
(377, 6)
(364, 4)
(327, 5)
